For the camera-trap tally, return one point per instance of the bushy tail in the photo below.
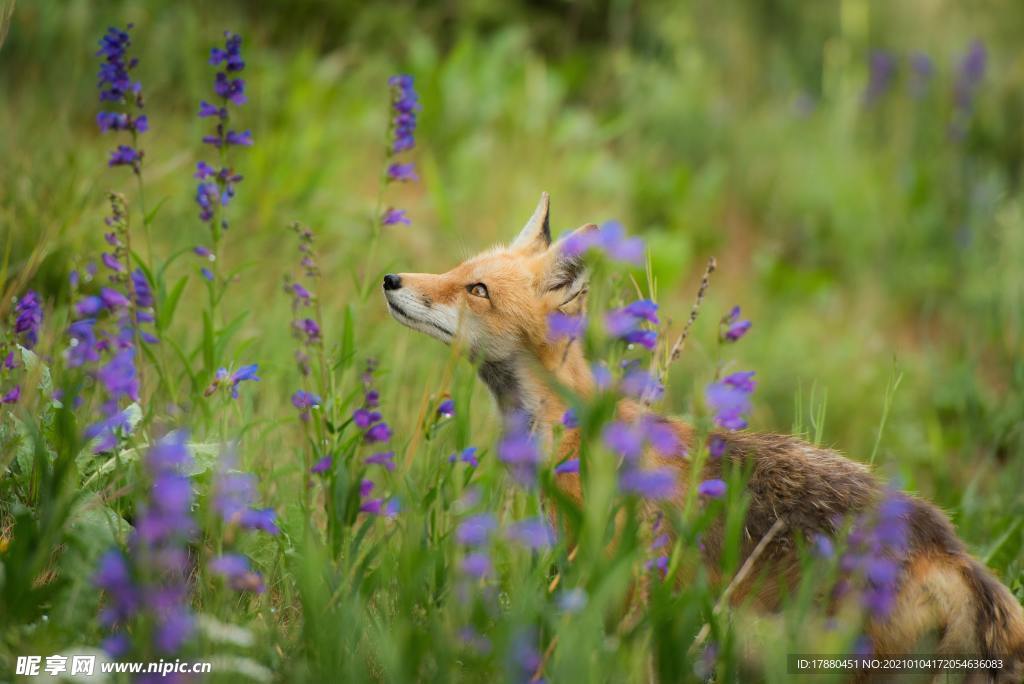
(1000, 621)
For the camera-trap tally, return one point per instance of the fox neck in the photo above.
(524, 382)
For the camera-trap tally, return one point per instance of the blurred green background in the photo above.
(854, 166)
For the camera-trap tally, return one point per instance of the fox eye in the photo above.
(478, 290)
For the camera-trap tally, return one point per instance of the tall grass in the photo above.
(860, 234)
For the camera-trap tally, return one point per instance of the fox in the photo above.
(496, 306)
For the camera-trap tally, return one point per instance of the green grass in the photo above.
(878, 258)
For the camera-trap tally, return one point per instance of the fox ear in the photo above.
(536, 234)
(566, 276)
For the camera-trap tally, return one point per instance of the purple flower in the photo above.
(467, 455)
(716, 446)
(610, 238)
(562, 326)
(518, 449)
(235, 568)
(304, 401)
(125, 155)
(217, 187)
(393, 217)
(206, 273)
(571, 465)
(658, 483)
(244, 139)
(372, 506)
(28, 318)
(322, 466)
(112, 299)
(117, 87)
(643, 309)
(309, 328)
(729, 399)
(570, 420)
(404, 105)
(402, 173)
(446, 409)
(640, 384)
(625, 323)
(243, 374)
(230, 89)
(713, 489)
(663, 437)
(264, 519)
(624, 439)
(533, 533)
(734, 327)
(118, 376)
(383, 458)
(477, 565)
(113, 576)
(475, 530)
(11, 396)
(114, 82)
(143, 292)
(363, 418)
(823, 547)
(379, 432)
(231, 54)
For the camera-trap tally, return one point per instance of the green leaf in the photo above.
(225, 335)
(348, 341)
(208, 343)
(165, 310)
(148, 218)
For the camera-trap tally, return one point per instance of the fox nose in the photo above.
(392, 282)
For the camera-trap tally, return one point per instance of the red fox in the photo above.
(497, 305)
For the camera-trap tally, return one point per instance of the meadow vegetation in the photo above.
(221, 446)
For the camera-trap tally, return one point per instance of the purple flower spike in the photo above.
(404, 104)
(713, 489)
(28, 318)
(570, 420)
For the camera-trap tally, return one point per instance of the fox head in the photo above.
(497, 303)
